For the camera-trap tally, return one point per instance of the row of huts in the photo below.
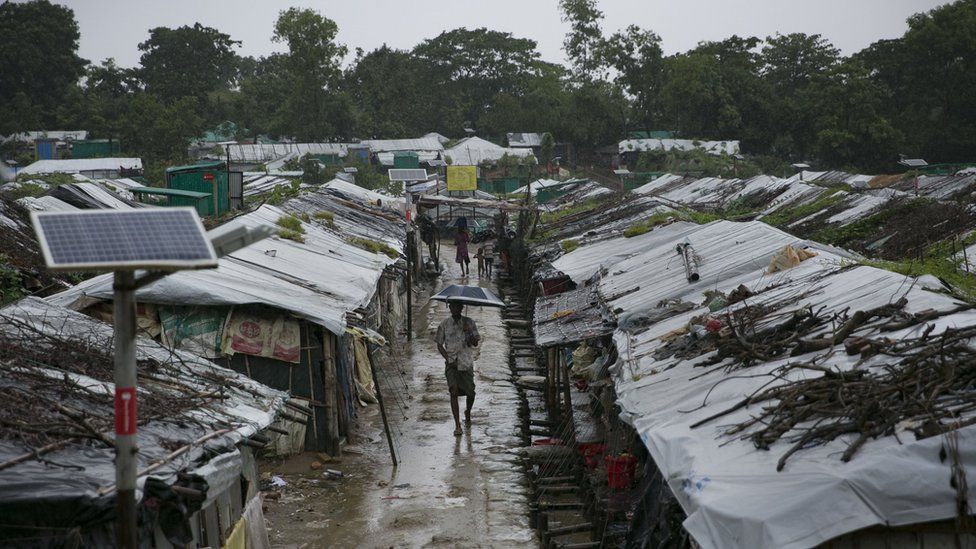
(271, 353)
(734, 385)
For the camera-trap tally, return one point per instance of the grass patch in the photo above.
(788, 215)
(27, 189)
(292, 235)
(700, 218)
(326, 217)
(374, 246)
(645, 225)
(291, 228)
(569, 245)
(947, 270)
(551, 217)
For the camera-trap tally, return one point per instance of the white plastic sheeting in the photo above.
(78, 165)
(583, 262)
(421, 144)
(261, 153)
(355, 192)
(731, 492)
(319, 280)
(651, 144)
(472, 151)
(45, 204)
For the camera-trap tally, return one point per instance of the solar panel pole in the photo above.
(125, 409)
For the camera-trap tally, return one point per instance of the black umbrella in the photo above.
(469, 295)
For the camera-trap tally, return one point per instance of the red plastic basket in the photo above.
(620, 470)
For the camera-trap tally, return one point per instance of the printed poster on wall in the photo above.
(462, 178)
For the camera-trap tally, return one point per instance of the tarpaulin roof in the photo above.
(472, 151)
(76, 165)
(321, 279)
(261, 153)
(524, 139)
(732, 493)
(355, 192)
(583, 262)
(420, 144)
(650, 144)
(186, 398)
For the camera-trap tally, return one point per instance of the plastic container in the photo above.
(591, 453)
(620, 470)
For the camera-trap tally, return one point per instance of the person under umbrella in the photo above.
(457, 340)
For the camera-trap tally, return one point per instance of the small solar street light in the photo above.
(158, 241)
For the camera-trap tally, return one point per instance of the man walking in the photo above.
(457, 340)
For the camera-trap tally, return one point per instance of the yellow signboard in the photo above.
(462, 178)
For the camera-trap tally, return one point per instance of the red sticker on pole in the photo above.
(125, 410)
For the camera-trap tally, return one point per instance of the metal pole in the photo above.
(126, 458)
(379, 398)
(410, 245)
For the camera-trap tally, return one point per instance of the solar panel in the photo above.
(107, 240)
(408, 175)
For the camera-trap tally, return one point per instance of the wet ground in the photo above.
(448, 491)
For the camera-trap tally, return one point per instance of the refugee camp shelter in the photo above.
(296, 311)
(94, 168)
(200, 426)
(712, 376)
(95, 148)
(224, 188)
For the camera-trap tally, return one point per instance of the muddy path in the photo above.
(448, 491)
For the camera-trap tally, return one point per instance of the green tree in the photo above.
(187, 61)
(636, 57)
(313, 67)
(939, 61)
(471, 67)
(160, 132)
(39, 63)
(745, 94)
(696, 100)
(391, 90)
(264, 87)
(852, 130)
(790, 63)
(107, 92)
(584, 39)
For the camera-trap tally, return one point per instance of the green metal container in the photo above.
(95, 148)
(201, 178)
(406, 160)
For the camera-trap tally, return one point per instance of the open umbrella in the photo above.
(469, 295)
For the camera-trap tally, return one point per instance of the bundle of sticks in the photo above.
(925, 385)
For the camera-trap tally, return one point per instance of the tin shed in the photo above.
(205, 177)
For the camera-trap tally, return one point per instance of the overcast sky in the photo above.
(114, 28)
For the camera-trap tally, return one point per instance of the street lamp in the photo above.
(153, 243)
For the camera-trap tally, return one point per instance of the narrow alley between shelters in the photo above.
(465, 491)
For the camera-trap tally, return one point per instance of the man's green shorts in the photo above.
(460, 382)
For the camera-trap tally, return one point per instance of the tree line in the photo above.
(792, 96)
